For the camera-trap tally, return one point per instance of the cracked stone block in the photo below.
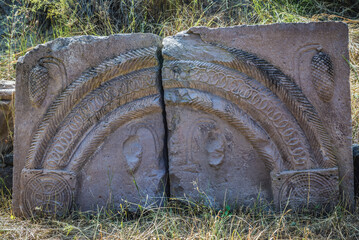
(89, 127)
(253, 114)
(259, 113)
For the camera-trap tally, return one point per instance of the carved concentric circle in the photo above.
(308, 190)
(47, 194)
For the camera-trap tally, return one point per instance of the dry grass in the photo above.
(184, 220)
(354, 77)
(31, 22)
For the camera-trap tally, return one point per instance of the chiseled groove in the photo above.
(89, 80)
(120, 116)
(277, 137)
(148, 87)
(254, 133)
(292, 96)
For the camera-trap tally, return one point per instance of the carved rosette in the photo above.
(38, 83)
(323, 76)
(306, 189)
(47, 193)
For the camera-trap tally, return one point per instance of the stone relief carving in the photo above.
(311, 61)
(136, 175)
(323, 76)
(305, 189)
(302, 59)
(133, 146)
(270, 98)
(209, 137)
(132, 150)
(291, 95)
(259, 102)
(39, 78)
(118, 117)
(47, 193)
(88, 81)
(95, 105)
(99, 101)
(38, 81)
(226, 110)
(237, 125)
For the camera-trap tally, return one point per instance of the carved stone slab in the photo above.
(250, 102)
(89, 127)
(306, 189)
(253, 113)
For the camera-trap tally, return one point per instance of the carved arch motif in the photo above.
(248, 81)
(270, 99)
(291, 95)
(88, 81)
(249, 93)
(260, 103)
(94, 106)
(125, 85)
(227, 111)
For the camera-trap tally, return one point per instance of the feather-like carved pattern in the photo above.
(253, 132)
(323, 76)
(92, 109)
(125, 63)
(250, 95)
(292, 96)
(121, 115)
(37, 84)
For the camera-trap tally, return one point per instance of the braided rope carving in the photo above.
(88, 81)
(227, 111)
(261, 104)
(292, 96)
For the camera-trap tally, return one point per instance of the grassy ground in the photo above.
(185, 220)
(26, 23)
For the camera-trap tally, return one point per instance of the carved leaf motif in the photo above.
(38, 82)
(323, 76)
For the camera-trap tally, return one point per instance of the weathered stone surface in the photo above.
(7, 89)
(254, 113)
(259, 112)
(355, 148)
(89, 128)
